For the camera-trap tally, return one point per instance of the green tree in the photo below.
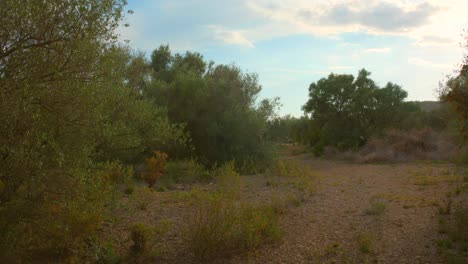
(69, 98)
(455, 92)
(345, 111)
(218, 104)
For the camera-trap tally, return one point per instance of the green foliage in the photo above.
(186, 171)
(115, 172)
(455, 92)
(280, 129)
(71, 106)
(218, 104)
(345, 111)
(51, 88)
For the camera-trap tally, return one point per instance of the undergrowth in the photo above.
(220, 225)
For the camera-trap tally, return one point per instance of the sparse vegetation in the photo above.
(454, 247)
(299, 176)
(229, 180)
(377, 208)
(446, 207)
(365, 242)
(220, 226)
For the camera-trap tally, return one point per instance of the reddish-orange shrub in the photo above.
(155, 167)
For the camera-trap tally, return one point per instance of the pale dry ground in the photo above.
(327, 228)
(328, 225)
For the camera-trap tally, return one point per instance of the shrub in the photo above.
(111, 171)
(142, 197)
(155, 168)
(279, 204)
(460, 230)
(186, 171)
(292, 169)
(446, 207)
(99, 252)
(377, 208)
(146, 238)
(140, 235)
(229, 181)
(258, 224)
(108, 255)
(455, 226)
(300, 176)
(218, 226)
(365, 243)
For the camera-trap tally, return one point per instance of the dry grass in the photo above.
(298, 175)
(408, 200)
(400, 146)
(219, 226)
(434, 180)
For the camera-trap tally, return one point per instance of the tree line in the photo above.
(344, 112)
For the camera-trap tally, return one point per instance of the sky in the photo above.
(292, 43)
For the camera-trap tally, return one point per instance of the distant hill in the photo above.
(428, 105)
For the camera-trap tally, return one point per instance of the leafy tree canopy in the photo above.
(346, 110)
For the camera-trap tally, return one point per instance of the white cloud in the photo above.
(231, 37)
(414, 19)
(431, 23)
(426, 63)
(377, 50)
(435, 41)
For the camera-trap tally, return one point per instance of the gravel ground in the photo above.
(332, 225)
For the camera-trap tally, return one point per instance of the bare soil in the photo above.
(332, 225)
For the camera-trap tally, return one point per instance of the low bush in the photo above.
(186, 171)
(155, 167)
(142, 197)
(377, 208)
(220, 226)
(455, 247)
(146, 240)
(300, 176)
(115, 172)
(228, 180)
(140, 236)
(365, 242)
